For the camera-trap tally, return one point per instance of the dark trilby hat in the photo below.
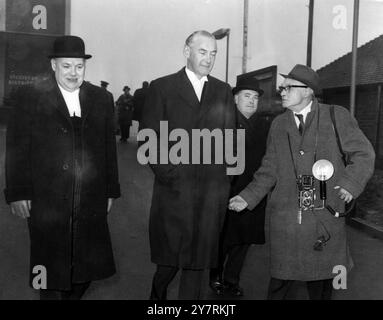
(126, 88)
(69, 47)
(305, 75)
(248, 83)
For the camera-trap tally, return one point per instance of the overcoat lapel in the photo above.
(186, 91)
(291, 126)
(207, 96)
(312, 115)
(56, 100)
(85, 101)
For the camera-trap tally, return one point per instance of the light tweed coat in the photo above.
(291, 244)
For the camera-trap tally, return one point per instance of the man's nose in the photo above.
(209, 58)
(73, 71)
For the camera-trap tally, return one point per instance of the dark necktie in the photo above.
(301, 123)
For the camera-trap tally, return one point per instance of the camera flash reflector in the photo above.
(323, 170)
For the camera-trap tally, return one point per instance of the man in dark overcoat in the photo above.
(139, 100)
(125, 109)
(61, 174)
(308, 244)
(242, 230)
(188, 204)
(104, 85)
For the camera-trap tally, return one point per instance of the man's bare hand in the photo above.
(344, 194)
(110, 202)
(237, 204)
(21, 208)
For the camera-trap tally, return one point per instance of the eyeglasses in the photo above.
(288, 88)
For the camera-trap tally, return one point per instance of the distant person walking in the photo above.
(139, 100)
(125, 113)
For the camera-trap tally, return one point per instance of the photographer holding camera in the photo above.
(306, 241)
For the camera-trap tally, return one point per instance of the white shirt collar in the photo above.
(304, 111)
(196, 83)
(193, 77)
(72, 101)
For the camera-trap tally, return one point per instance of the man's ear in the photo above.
(187, 51)
(236, 98)
(53, 64)
(309, 92)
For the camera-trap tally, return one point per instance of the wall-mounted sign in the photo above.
(27, 31)
(33, 16)
(26, 62)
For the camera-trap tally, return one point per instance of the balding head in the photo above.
(189, 40)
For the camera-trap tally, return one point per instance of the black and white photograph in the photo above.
(207, 152)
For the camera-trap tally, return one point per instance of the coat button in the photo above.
(64, 130)
(65, 166)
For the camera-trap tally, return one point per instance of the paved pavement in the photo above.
(129, 230)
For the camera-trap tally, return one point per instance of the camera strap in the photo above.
(299, 216)
(333, 119)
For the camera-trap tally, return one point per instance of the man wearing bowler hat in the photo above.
(307, 242)
(242, 230)
(61, 175)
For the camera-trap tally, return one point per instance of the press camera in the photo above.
(306, 189)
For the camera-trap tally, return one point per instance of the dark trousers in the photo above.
(230, 270)
(317, 290)
(190, 283)
(78, 290)
(124, 128)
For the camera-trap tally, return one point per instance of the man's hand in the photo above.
(344, 194)
(110, 202)
(237, 204)
(21, 208)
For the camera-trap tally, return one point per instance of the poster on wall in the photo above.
(26, 62)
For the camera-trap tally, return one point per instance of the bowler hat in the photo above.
(104, 83)
(69, 47)
(305, 75)
(126, 87)
(248, 83)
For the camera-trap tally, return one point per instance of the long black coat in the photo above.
(247, 227)
(138, 102)
(189, 200)
(40, 167)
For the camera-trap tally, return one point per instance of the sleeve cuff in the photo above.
(18, 193)
(113, 191)
(249, 198)
(351, 186)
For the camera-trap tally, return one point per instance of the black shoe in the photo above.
(217, 286)
(233, 288)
